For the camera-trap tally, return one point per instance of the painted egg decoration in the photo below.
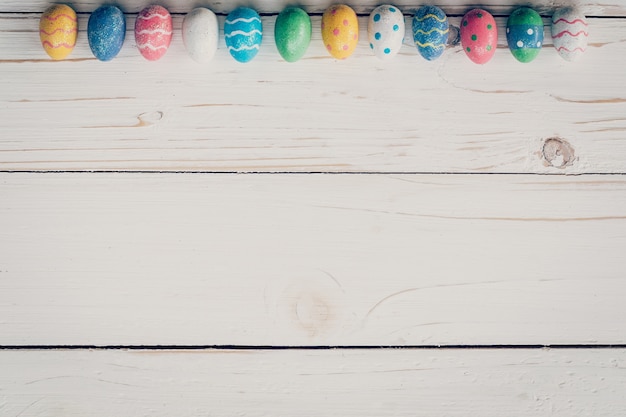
(58, 28)
(479, 35)
(106, 31)
(292, 33)
(243, 32)
(200, 34)
(385, 31)
(430, 31)
(570, 33)
(153, 32)
(524, 34)
(340, 31)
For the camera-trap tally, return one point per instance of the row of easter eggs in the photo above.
(243, 32)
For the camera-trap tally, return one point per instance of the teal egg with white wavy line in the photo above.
(430, 31)
(243, 33)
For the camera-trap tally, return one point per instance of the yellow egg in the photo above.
(57, 30)
(340, 30)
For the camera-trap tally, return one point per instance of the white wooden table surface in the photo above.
(343, 238)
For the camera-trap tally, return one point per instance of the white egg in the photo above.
(385, 31)
(569, 33)
(200, 34)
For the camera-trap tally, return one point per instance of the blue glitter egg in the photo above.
(430, 31)
(243, 32)
(106, 31)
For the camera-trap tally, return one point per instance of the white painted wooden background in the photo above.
(318, 204)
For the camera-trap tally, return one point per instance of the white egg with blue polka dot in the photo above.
(385, 31)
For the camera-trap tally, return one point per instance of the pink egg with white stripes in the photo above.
(153, 32)
(569, 33)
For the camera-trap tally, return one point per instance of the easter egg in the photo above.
(243, 32)
(200, 34)
(57, 30)
(385, 31)
(292, 33)
(153, 32)
(479, 35)
(340, 31)
(430, 31)
(106, 31)
(524, 34)
(569, 33)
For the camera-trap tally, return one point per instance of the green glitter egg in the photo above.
(292, 33)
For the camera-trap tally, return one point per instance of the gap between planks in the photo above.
(313, 347)
(270, 173)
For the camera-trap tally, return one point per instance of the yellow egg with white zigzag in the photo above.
(57, 30)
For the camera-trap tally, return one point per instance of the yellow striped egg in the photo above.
(57, 30)
(340, 30)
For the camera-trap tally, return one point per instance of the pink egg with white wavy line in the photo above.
(569, 33)
(153, 32)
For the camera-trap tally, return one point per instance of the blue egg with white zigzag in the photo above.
(430, 31)
(243, 32)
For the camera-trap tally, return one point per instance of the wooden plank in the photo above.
(358, 115)
(312, 383)
(606, 8)
(158, 259)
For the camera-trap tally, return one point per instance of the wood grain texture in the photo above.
(164, 259)
(147, 258)
(331, 383)
(359, 115)
(606, 8)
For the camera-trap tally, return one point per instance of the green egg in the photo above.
(524, 34)
(292, 33)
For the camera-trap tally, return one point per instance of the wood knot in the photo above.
(558, 153)
(311, 305)
(149, 118)
(312, 313)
